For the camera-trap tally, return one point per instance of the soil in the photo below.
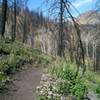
(24, 85)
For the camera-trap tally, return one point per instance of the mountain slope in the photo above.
(89, 17)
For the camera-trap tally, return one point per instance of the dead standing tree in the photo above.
(56, 11)
(4, 16)
(80, 48)
(14, 22)
(25, 23)
(60, 36)
(63, 10)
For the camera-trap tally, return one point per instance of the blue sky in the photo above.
(80, 5)
(34, 4)
(83, 5)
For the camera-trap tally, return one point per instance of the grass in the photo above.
(13, 55)
(65, 80)
(92, 80)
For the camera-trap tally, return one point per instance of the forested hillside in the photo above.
(65, 48)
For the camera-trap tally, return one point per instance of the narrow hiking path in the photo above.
(24, 87)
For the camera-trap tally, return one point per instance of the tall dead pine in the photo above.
(4, 16)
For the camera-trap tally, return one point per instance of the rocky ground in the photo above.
(47, 81)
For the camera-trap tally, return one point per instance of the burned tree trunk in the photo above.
(25, 31)
(4, 16)
(80, 49)
(14, 23)
(60, 36)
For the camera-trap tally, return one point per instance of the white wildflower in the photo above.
(50, 93)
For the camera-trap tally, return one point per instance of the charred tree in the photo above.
(14, 23)
(4, 16)
(60, 36)
(25, 30)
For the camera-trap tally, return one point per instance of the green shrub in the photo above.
(4, 64)
(65, 81)
(98, 89)
(14, 55)
(63, 87)
(3, 80)
(79, 90)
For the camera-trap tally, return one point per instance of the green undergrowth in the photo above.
(92, 80)
(64, 82)
(14, 55)
(70, 84)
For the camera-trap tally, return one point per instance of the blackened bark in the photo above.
(60, 36)
(4, 16)
(25, 31)
(14, 23)
(81, 56)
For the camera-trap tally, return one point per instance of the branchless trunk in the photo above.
(94, 56)
(4, 16)
(80, 45)
(14, 23)
(25, 23)
(60, 36)
(25, 31)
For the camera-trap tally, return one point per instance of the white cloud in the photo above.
(79, 3)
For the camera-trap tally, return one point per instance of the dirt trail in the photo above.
(24, 85)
